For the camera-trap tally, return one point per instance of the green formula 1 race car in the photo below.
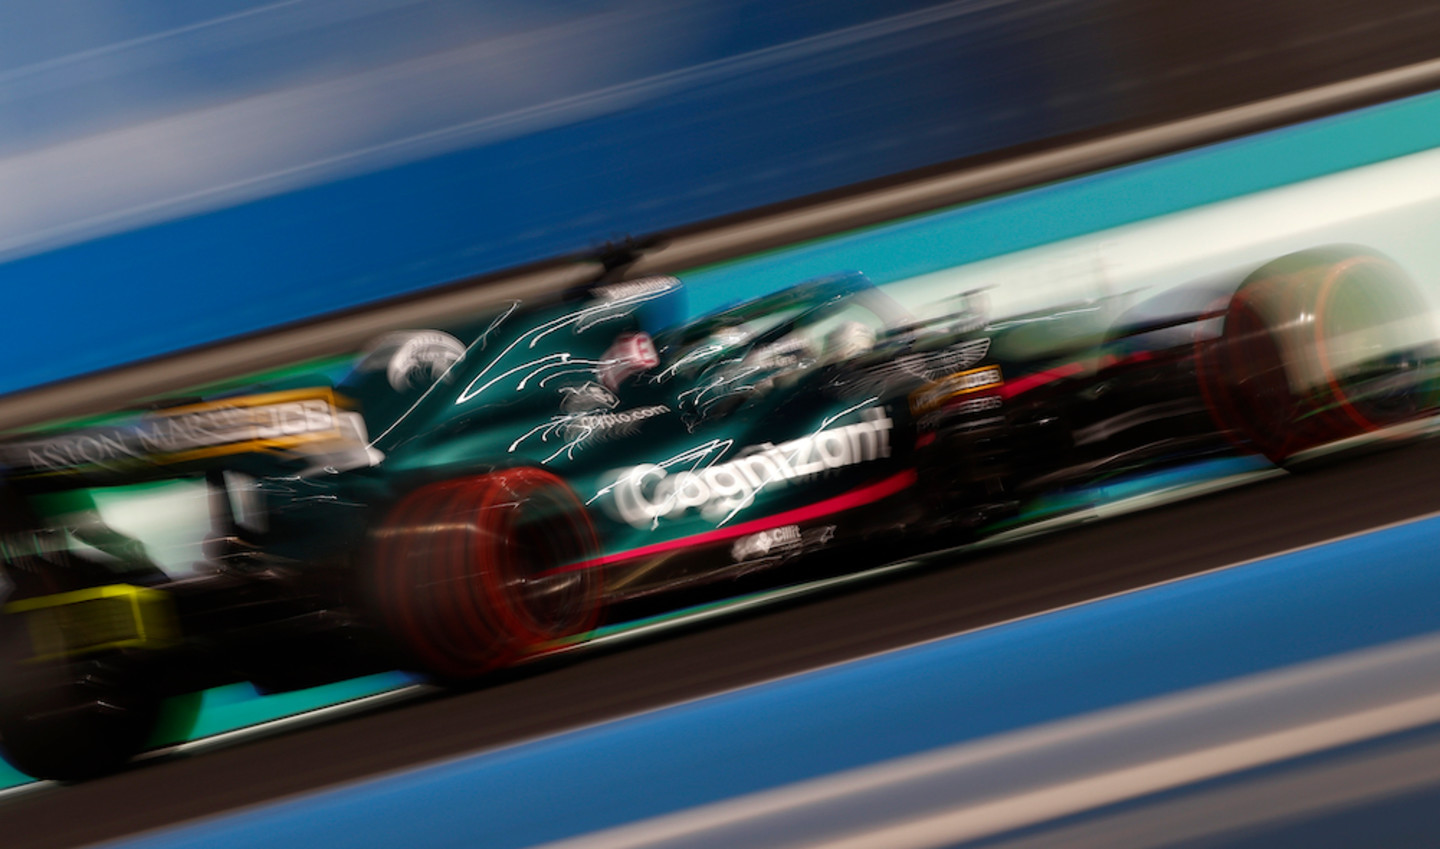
(470, 497)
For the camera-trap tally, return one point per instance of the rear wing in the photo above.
(304, 426)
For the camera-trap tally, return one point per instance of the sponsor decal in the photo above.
(789, 352)
(586, 398)
(934, 395)
(272, 421)
(975, 405)
(779, 542)
(963, 356)
(629, 354)
(908, 369)
(643, 495)
(577, 429)
(644, 286)
(622, 423)
(413, 359)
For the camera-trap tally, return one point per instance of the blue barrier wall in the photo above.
(1293, 609)
(176, 173)
(1122, 196)
(173, 174)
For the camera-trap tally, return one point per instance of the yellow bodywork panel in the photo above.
(116, 616)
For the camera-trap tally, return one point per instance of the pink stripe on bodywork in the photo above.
(840, 503)
(1048, 376)
(1038, 379)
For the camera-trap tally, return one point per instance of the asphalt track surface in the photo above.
(1063, 568)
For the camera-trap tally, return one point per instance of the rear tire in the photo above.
(475, 574)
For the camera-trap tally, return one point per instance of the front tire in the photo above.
(71, 718)
(1318, 347)
(76, 719)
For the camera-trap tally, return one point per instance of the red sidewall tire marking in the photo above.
(395, 601)
(444, 560)
(523, 483)
(482, 640)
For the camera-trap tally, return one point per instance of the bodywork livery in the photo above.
(467, 497)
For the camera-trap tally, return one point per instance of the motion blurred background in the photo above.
(174, 174)
(177, 174)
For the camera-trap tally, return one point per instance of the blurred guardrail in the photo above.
(730, 239)
(178, 175)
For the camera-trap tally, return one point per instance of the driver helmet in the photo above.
(846, 341)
